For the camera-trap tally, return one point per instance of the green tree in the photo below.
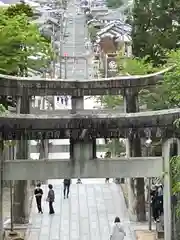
(136, 66)
(127, 66)
(19, 9)
(171, 81)
(175, 173)
(161, 96)
(152, 41)
(175, 183)
(165, 95)
(20, 40)
(109, 101)
(92, 30)
(116, 147)
(155, 28)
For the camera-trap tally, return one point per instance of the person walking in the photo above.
(154, 203)
(160, 199)
(107, 180)
(51, 198)
(38, 192)
(66, 100)
(117, 232)
(79, 181)
(67, 183)
(62, 100)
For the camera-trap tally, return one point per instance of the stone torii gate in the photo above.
(15, 126)
(82, 128)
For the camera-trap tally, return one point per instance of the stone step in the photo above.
(145, 235)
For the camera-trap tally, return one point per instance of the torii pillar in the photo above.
(167, 190)
(21, 188)
(84, 149)
(133, 149)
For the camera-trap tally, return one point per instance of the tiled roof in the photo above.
(116, 29)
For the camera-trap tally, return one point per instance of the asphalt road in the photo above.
(75, 44)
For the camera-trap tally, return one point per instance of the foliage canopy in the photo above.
(19, 9)
(160, 31)
(92, 30)
(171, 81)
(19, 39)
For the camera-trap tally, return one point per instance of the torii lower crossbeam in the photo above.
(54, 169)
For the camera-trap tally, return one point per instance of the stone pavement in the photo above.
(146, 235)
(86, 215)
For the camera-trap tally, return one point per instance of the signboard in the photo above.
(56, 134)
(57, 128)
(111, 66)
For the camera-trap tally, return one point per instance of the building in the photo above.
(99, 10)
(113, 38)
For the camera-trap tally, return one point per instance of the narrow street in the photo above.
(74, 43)
(86, 215)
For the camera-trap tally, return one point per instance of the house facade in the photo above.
(113, 38)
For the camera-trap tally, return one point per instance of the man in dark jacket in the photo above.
(38, 192)
(154, 204)
(67, 183)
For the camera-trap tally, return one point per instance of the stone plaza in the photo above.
(87, 215)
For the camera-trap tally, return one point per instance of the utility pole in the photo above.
(61, 38)
(65, 66)
(86, 67)
(60, 47)
(54, 55)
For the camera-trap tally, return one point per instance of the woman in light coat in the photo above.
(117, 232)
